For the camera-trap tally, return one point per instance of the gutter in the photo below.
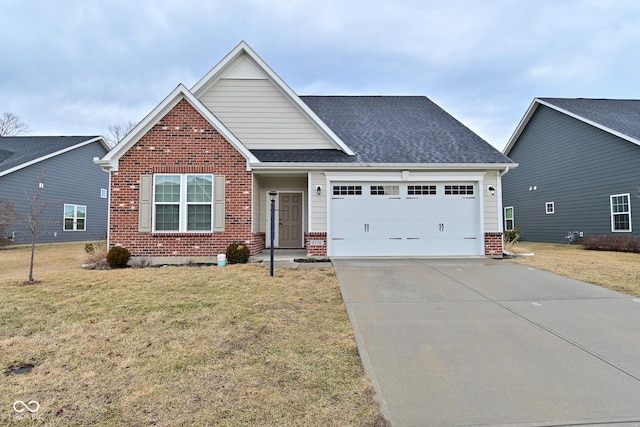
(378, 166)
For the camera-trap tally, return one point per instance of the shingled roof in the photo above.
(618, 115)
(391, 129)
(16, 151)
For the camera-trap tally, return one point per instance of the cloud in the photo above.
(76, 67)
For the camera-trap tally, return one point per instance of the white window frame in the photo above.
(627, 212)
(183, 203)
(513, 221)
(74, 217)
(549, 208)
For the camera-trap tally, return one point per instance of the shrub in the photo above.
(96, 255)
(118, 257)
(512, 236)
(612, 243)
(237, 253)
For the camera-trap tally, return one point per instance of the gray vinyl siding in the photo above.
(576, 166)
(70, 178)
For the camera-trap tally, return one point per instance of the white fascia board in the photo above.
(380, 166)
(54, 154)
(214, 74)
(110, 160)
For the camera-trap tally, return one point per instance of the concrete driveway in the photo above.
(468, 342)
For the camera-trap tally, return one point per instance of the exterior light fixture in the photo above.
(319, 189)
(491, 189)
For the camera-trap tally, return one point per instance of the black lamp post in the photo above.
(272, 195)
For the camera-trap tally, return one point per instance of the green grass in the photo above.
(177, 345)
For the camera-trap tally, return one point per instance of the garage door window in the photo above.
(458, 189)
(421, 190)
(347, 190)
(385, 190)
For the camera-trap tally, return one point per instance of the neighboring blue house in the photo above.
(75, 189)
(579, 170)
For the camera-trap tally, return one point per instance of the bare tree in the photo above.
(33, 220)
(117, 131)
(11, 125)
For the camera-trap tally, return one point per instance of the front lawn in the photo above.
(619, 271)
(177, 345)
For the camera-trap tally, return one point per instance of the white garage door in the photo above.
(404, 219)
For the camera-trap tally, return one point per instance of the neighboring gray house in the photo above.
(579, 169)
(75, 190)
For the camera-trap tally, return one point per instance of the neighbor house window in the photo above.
(549, 208)
(75, 218)
(183, 202)
(620, 213)
(508, 218)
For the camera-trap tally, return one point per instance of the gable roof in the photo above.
(392, 130)
(17, 152)
(110, 160)
(620, 117)
(235, 62)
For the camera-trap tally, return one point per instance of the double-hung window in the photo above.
(75, 217)
(620, 213)
(183, 203)
(508, 218)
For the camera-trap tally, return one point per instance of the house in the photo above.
(579, 170)
(74, 191)
(354, 175)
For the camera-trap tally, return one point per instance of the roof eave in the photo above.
(110, 160)
(100, 139)
(521, 126)
(379, 166)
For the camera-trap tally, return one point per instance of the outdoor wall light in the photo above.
(319, 189)
(491, 189)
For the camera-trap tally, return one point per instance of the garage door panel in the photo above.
(431, 224)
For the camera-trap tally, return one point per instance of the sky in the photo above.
(75, 67)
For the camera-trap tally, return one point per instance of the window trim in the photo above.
(183, 204)
(627, 212)
(548, 205)
(512, 219)
(74, 218)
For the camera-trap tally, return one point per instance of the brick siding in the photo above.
(315, 250)
(493, 245)
(182, 142)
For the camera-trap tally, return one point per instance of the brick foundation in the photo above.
(182, 142)
(315, 251)
(493, 245)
